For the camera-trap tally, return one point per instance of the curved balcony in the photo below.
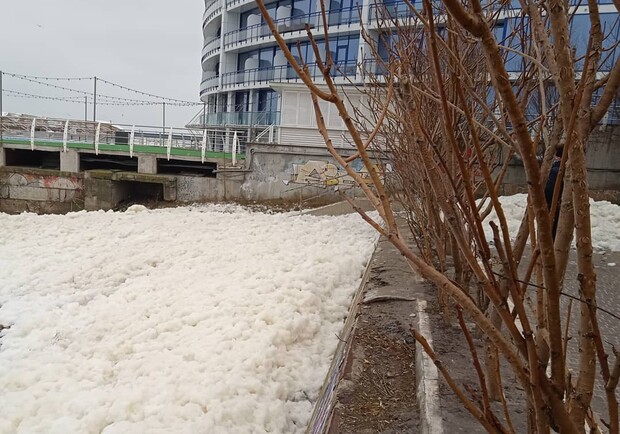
(209, 84)
(212, 10)
(284, 73)
(211, 48)
(260, 32)
(232, 4)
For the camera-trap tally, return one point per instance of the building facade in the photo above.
(241, 63)
(246, 80)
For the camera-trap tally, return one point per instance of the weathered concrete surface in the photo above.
(102, 194)
(106, 189)
(371, 384)
(603, 162)
(427, 378)
(270, 173)
(25, 189)
(147, 164)
(2, 157)
(227, 186)
(70, 161)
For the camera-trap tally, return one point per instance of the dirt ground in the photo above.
(377, 392)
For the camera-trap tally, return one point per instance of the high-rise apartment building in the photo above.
(242, 65)
(246, 80)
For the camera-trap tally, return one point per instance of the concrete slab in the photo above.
(70, 161)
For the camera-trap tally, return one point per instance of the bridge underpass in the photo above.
(100, 165)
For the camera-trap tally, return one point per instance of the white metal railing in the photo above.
(267, 135)
(62, 133)
(209, 84)
(211, 47)
(230, 4)
(211, 11)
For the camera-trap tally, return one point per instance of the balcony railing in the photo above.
(233, 3)
(243, 118)
(284, 73)
(211, 47)
(209, 84)
(371, 66)
(392, 10)
(339, 17)
(212, 9)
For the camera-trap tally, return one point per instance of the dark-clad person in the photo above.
(553, 177)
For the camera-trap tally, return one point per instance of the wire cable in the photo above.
(51, 78)
(80, 100)
(18, 94)
(108, 99)
(148, 94)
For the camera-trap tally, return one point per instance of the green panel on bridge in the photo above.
(143, 149)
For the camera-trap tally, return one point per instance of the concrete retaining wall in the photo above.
(53, 191)
(603, 160)
(271, 174)
(226, 187)
(40, 190)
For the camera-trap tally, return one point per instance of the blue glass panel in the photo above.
(611, 31)
(513, 29)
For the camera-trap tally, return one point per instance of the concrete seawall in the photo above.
(40, 190)
(54, 191)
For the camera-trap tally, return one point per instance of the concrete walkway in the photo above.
(378, 373)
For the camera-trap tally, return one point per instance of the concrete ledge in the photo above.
(427, 378)
(42, 172)
(114, 175)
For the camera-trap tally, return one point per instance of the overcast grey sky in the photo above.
(149, 45)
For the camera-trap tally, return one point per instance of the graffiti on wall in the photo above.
(25, 186)
(325, 174)
(46, 181)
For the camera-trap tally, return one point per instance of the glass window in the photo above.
(353, 45)
(222, 102)
(385, 45)
(267, 100)
(579, 32)
(611, 32)
(242, 101)
(243, 57)
(499, 31)
(243, 19)
(265, 57)
(302, 7)
(514, 29)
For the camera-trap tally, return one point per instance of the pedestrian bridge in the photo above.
(224, 146)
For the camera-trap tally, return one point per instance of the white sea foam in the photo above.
(209, 319)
